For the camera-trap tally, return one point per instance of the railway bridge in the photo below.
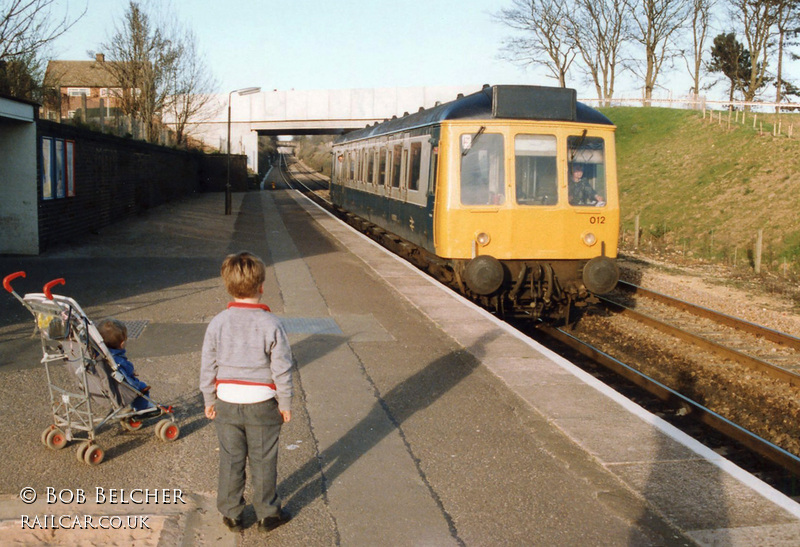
(310, 112)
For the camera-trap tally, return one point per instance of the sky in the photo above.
(339, 44)
(327, 44)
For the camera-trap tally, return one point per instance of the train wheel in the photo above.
(94, 455)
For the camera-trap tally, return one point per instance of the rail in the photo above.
(753, 442)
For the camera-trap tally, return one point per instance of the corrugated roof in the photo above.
(79, 74)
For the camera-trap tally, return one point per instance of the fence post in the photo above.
(759, 242)
(636, 233)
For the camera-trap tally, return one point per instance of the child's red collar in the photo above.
(248, 305)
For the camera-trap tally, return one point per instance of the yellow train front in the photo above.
(509, 195)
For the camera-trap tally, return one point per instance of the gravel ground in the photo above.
(766, 406)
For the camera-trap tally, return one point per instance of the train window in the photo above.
(416, 160)
(587, 170)
(482, 168)
(352, 166)
(382, 167)
(536, 172)
(396, 158)
(370, 167)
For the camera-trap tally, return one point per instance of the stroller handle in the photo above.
(51, 284)
(9, 278)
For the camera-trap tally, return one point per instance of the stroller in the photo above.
(82, 377)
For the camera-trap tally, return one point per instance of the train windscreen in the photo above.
(482, 168)
(536, 172)
(587, 171)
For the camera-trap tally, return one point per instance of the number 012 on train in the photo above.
(508, 195)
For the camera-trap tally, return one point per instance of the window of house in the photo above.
(58, 168)
(78, 91)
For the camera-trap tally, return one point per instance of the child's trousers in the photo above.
(248, 431)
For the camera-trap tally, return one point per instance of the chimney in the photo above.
(99, 57)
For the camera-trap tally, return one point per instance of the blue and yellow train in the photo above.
(509, 195)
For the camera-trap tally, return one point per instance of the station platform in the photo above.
(419, 419)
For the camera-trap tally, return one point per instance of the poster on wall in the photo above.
(47, 168)
(61, 188)
(70, 168)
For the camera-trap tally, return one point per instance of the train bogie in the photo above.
(508, 195)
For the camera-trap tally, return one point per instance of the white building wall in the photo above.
(19, 219)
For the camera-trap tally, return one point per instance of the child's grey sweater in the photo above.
(246, 343)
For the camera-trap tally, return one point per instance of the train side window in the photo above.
(370, 167)
(587, 171)
(536, 171)
(482, 168)
(352, 166)
(416, 159)
(396, 159)
(382, 167)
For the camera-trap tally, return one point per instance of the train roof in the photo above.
(501, 102)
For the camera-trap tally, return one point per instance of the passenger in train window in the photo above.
(580, 191)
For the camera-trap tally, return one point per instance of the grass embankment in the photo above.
(705, 188)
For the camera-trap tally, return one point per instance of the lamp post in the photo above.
(243, 91)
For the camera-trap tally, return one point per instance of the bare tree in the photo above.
(758, 19)
(192, 86)
(143, 58)
(788, 25)
(599, 30)
(546, 40)
(657, 22)
(27, 27)
(699, 22)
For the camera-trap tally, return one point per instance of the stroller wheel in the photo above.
(45, 433)
(82, 451)
(56, 439)
(131, 424)
(167, 430)
(94, 455)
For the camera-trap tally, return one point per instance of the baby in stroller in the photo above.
(115, 335)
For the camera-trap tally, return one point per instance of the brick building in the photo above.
(71, 81)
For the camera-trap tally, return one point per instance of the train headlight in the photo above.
(589, 239)
(483, 239)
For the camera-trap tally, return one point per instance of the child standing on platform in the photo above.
(246, 381)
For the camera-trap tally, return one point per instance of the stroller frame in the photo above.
(70, 339)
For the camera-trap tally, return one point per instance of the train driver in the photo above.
(580, 191)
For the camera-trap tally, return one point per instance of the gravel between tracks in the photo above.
(765, 406)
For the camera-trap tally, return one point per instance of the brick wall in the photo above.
(117, 177)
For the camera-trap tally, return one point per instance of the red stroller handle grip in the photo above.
(9, 278)
(50, 285)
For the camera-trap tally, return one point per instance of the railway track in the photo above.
(773, 353)
(733, 341)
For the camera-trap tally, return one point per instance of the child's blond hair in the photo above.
(243, 274)
(114, 332)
